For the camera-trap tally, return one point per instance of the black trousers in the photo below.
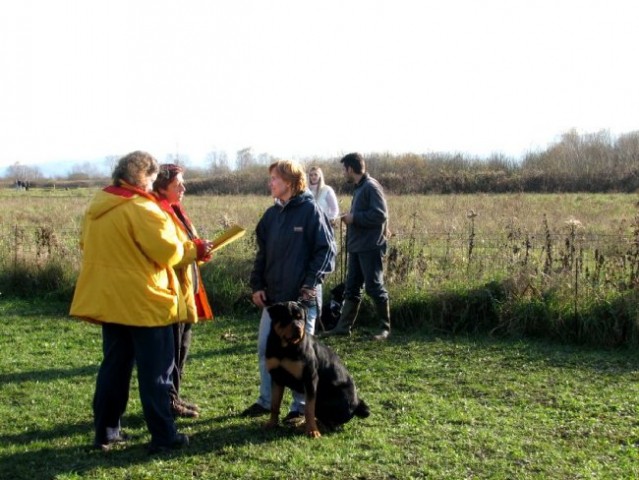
(182, 333)
(366, 269)
(151, 350)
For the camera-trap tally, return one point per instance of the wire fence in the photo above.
(20, 244)
(419, 256)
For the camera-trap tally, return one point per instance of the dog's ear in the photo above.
(277, 311)
(297, 310)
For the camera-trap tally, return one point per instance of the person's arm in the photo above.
(332, 204)
(324, 250)
(196, 249)
(377, 212)
(156, 234)
(256, 280)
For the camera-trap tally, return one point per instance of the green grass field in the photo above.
(443, 408)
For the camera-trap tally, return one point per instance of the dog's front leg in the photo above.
(277, 393)
(310, 390)
(309, 414)
(310, 393)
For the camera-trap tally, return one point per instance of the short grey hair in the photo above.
(134, 168)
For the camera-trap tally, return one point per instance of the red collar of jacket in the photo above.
(128, 191)
(175, 210)
(178, 214)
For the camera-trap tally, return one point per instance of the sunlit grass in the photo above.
(442, 407)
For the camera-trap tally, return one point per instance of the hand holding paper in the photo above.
(226, 237)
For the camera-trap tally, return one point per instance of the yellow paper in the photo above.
(226, 237)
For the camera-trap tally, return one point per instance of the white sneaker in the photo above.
(382, 336)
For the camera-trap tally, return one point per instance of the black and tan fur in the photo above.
(301, 363)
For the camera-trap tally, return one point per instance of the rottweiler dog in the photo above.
(301, 363)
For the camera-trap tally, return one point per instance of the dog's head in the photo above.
(288, 320)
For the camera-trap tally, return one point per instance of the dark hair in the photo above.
(355, 161)
(134, 168)
(167, 173)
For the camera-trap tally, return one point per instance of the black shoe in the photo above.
(111, 442)
(255, 410)
(180, 441)
(337, 331)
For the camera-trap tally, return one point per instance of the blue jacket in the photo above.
(295, 248)
(370, 217)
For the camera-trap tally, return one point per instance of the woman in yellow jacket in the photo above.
(169, 188)
(127, 285)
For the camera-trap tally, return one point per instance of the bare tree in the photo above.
(245, 158)
(24, 173)
(218, 161)
(85, 171)
(628, 148)
(264, 159)
(110, 161)
(178, 159)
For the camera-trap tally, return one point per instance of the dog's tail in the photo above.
(362, 410)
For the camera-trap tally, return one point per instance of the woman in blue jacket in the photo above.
(295, 251)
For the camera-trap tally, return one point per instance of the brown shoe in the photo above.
(179, 410)
(189, 405)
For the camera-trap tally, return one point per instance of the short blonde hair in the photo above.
(291, 172)
(134, 168)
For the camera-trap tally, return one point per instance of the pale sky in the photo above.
(84, 79)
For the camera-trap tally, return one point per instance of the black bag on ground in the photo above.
(332, 308)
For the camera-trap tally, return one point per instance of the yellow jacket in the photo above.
(129, 248)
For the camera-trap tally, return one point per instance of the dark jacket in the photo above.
(370, 217)
(295, 248)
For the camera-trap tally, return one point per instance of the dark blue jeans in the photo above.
(365, 269)
(151, 350)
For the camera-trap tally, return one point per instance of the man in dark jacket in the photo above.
(295, 251)
(366, 246)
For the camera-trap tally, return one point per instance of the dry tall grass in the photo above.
(513, 263)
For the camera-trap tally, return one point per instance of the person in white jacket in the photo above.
(324, 195)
